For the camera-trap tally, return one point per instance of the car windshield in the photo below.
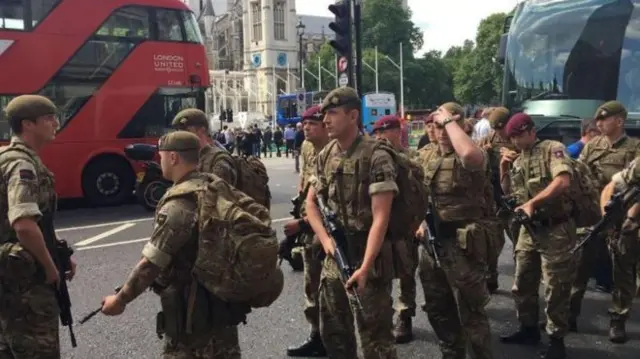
(567, 57)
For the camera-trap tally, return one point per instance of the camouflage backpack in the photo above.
(409, 206)
(585, 195)
(237, 248)
(252, 178)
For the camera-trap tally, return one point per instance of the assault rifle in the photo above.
(339, 238)
(615, 211)
(290, 242)
(432, 220)
(61, 254)
(510, 203)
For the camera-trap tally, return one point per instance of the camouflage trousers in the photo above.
(495, 244)
(588, 260)
(625, 255)
(406, 264)
(312, 270)
(550, 258)
(337, 312)
(222, 345)
(29, 324)
(456, 293)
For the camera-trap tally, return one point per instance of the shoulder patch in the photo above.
(558, 153)
(379, 177)
(27, 175)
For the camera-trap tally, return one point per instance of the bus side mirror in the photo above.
(502, 49)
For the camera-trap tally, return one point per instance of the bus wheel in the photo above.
(108, 181)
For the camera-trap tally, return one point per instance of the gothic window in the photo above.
(256, 21)
(279, 28)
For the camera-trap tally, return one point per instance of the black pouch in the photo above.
(174, 311)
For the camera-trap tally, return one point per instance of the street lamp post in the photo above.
(300, 28)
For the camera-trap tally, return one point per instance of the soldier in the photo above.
(27, 194)
(540, 180)
(315, 139)
(495, 143)
(364, 211)
(168, 257)
(213, 159)
(429, 137)
(388, 128)
(455, 174)
(607, 155)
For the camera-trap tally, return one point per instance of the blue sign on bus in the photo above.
(376, 105)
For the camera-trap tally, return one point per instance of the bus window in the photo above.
(5, 129)
(40, 9)
(168, 22)
(12, 15)
(191, 27)
(387, 112)
(128, 22)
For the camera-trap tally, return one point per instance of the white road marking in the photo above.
(105, 224)
(112, 244)
(105, 234)
(281, 219)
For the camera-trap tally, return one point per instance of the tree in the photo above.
(386, 24)
(327, 58)
(477, 77)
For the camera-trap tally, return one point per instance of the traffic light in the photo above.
(342, 27)
(223, 116)
(229, 115)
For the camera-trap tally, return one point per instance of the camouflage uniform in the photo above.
(605, 159)
(28, 307)
(172, 247)
(498, 118)
(337, 312)
(213, 159)
(552, 251)
(456, 293)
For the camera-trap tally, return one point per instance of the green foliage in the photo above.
(468, 74)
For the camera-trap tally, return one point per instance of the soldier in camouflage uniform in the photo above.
(28, 307)
(364, 212)
(315, 139)
(213, 159)
(495, 143)
(168, 258)
(607, 155)
(388, 128)
(540, 178)
(456, 291)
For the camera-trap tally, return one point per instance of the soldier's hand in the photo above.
(359, 279)
(52, 276)
(420, 232)
(72, 270)
(527, 208)
(112, 306)
(291, 228)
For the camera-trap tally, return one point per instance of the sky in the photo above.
(444, 23)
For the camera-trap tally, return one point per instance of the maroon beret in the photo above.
(386, 122)
(313, 113)
(518, 124)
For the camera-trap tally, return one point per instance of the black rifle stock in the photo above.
(615, 211)
(432, 221)
(339, 238)
(61, 254)
(290, 242)
(519, 216)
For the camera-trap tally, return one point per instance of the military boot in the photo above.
(617, 333)
(556, 349)
(403, 330)
(524, 336)
(312, 347)
(573, 325)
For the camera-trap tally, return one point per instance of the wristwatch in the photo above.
(447, 121)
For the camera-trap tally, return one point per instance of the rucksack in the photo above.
(252, 178)
(584, 193)
(409, 205)
(237, 248)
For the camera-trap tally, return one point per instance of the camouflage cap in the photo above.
(498, 117)
(340, 97)
(611, 108)
(179, 141)
(190, 117)
(455, 109)
(29, 107)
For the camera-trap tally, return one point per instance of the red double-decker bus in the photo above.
(118, 70)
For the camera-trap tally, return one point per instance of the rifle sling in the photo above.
(340, 180)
